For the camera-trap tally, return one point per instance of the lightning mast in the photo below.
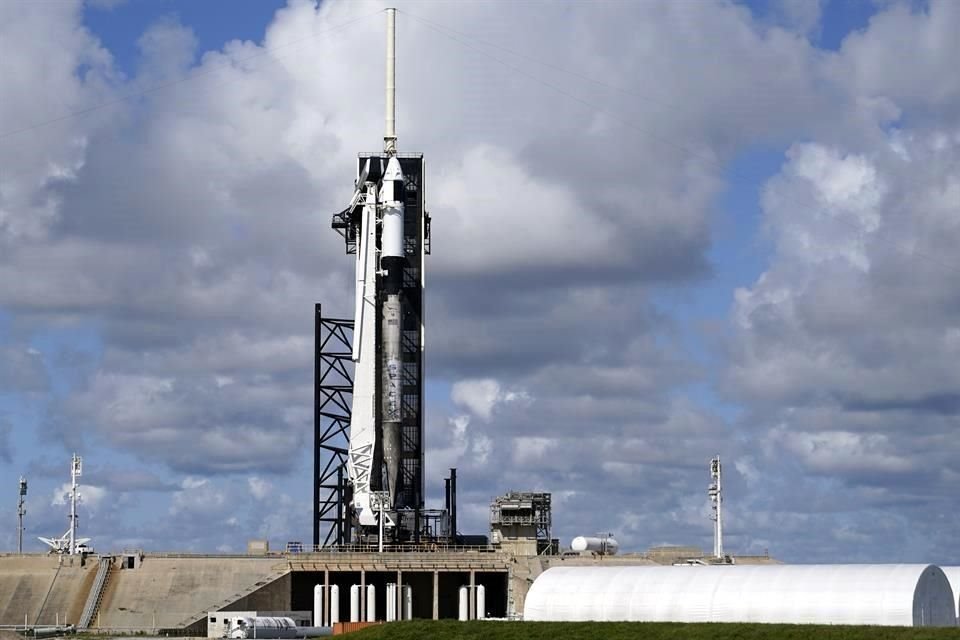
(715, 492)
(20, 513)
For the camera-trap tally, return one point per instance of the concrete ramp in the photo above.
(43, 589)
(175, 592)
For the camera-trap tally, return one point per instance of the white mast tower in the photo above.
(69, 543)
(716, 499)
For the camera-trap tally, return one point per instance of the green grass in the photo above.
(452, 630)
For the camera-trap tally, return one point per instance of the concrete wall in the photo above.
(173, 592)
(44, 588)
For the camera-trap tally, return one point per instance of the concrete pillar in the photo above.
(436, 595)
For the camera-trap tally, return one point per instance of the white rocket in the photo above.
(373, 461)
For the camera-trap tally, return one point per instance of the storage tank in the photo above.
(263, 627)
(355, 603)
(390, 603)
(407, 602)
(371, 603)
(604, 545)
(464, 605)
(318, 605)
(481, 602)
(891, 595)
(334, 604)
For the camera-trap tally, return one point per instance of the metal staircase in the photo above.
(96, 592)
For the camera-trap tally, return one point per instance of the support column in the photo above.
(436, 595)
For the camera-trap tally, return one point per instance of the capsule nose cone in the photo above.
(393, 170)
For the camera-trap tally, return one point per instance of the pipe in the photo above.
(453, 505)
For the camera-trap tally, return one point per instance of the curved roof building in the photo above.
(894, 595)
(953, 575)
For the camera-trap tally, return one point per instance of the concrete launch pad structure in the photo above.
(156, 593)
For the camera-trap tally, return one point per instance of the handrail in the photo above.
(96, 592)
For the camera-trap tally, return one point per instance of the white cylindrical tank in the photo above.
(407, 602)
(264, 627)
(391, 602)
(334, 604)
(371, 603)
(893, 595)
(605, 545)
(481, 602)
(355, 603)
(953, 576)
(464, 613)
(318, 605)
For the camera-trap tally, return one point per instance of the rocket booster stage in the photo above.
(392, 262)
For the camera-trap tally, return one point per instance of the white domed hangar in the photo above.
(889, 595)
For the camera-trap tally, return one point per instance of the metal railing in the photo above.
(96, 592)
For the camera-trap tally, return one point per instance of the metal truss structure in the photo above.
(333, 391)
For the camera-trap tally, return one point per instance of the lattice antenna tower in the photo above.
(21, 511)
(715, 491)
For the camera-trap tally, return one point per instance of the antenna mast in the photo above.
(20, 512)
(716, 498)
(390, 137)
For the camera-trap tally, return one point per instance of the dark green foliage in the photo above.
(452, 630)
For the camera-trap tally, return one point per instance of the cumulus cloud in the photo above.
(844, 349)
(90, 496)
(482, 396)
(189, 229)
(259, 488)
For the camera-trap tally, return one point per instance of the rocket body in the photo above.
(392, 262)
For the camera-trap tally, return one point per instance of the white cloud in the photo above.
(482, 396)
(259, 488)
(90, 496)
(189, 230)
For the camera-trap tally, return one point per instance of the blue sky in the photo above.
(689, 255)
